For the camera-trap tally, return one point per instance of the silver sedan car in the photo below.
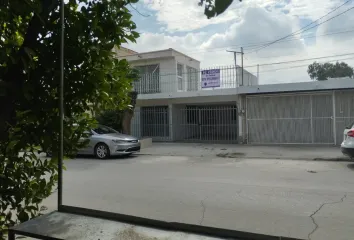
(105, 141)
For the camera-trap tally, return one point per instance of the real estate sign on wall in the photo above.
(211, 78)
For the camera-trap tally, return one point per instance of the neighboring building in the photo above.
(298, 113)
(123, 52)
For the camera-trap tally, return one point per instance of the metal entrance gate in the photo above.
(155, 122)
(216, 123)
(296, 118)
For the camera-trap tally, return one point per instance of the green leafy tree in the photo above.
(214, 8)
(323, 71)
(111, 118)
(29, 80)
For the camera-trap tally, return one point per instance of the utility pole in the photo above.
(257, 73)
(235, 54)
(61, 107)
(235, 59)
(242, 64)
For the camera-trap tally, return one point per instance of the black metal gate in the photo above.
(155, 122)
(215, 123)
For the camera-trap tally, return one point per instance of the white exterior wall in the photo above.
(171, 121)
(136, 123)
(168, 82)
(187, 62)
(249, 79)
(242, 116)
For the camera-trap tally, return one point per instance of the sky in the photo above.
(181, 24)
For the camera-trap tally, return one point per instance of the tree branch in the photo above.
(15, 76)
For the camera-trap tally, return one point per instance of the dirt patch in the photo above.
(231, 155)
(131, 234)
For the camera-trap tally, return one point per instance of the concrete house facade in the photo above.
(314, 112)
(174, 105)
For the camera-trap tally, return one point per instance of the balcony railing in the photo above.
(205, 79)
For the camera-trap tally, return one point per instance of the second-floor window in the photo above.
(192, 79)
(149, 81)
(180, 76)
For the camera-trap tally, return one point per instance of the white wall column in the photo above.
(334, 117)
(136, 123)
(242, 125)
(171, 121)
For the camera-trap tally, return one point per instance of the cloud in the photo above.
(252, 28)
(185, 15)
(343, 22)
(158, 41)
(258, 26)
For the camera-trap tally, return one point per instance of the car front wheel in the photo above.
(102, 151)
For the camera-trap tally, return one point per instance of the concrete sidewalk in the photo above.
(296, 152)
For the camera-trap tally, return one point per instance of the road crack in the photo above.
(312, 216)
(203, 212)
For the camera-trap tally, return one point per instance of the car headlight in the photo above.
(117, 141)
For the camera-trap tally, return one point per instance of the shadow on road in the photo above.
(89, 157)
(351, 166)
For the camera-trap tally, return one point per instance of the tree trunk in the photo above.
(126, 121)
(128, 115)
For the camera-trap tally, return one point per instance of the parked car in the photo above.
(347, 146)
(105, 141)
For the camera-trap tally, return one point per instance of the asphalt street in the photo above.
(292, 198)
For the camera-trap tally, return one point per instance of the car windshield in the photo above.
(104, 130)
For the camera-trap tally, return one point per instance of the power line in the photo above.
(307, 37)
(256, 44)
(136, 10)
(304, 29)
(304, 65)
(300, 60)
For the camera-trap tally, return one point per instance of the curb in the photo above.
(245, 157)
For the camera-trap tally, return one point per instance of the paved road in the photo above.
(300, 199)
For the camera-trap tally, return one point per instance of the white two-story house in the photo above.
(178, 101)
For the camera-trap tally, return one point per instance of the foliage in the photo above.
(114, 117)
(111, 118)
(323, 71)
(29, 73)
(214, 8)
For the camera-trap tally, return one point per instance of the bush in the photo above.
(111, 118)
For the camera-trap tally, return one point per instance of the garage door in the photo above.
(297, 118)
(344, 108)
(209, 123)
